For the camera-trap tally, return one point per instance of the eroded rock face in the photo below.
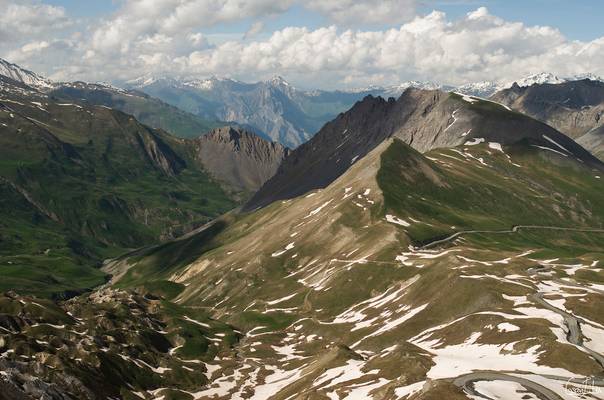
(594, 142)
(102, 345)
(574, 108)
(239, 158)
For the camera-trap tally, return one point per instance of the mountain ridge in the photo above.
(423, 119)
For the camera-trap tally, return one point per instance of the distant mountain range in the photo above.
(283, 113)
(273, 109)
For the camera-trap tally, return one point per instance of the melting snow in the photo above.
(469, 356)
(281, 299)
(495, 146)
(408, 390)
(396, 220)
(467, 98)
(288, 247)
(507, 327)
(502, 390)
(550, 149)
(197, 322)
(474, 142)
(318, 209)
(554, 142)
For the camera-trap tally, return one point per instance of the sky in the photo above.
(313, 43)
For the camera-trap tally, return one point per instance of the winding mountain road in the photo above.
(514, 229)
(574, 335)
(466, 382)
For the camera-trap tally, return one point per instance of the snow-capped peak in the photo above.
(587, 75)
(480, 89)
(15, 72)
(278, 81)
(207, 84)
(539, 79)
(202, 84)
(144, 80)
(397, 90)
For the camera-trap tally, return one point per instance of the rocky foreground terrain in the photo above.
(109, 344)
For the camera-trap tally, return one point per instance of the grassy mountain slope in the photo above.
(82, 183)
(148, 110)
(337, 298)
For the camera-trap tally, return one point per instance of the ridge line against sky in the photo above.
(321, 44)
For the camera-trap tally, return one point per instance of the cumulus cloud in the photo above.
(139, 19)
(354, 11)
(29, 18)
(167, 37)
(255, 29)
(476, 47)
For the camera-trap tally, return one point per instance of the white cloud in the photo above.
(138, 19)
(479, 46)
(30, 18)
(167, 37)
(355, 11)
(255, 29)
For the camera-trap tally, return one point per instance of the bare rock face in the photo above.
(594, 142)
(424, 119)
(239, 158)
(574, 108)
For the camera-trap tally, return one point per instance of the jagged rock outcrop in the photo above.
(101, 346)
(241, 159)
(573, 108)
(594, 142)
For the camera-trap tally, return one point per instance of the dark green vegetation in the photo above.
(80, 184)
(148, 110)
(536, 189)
